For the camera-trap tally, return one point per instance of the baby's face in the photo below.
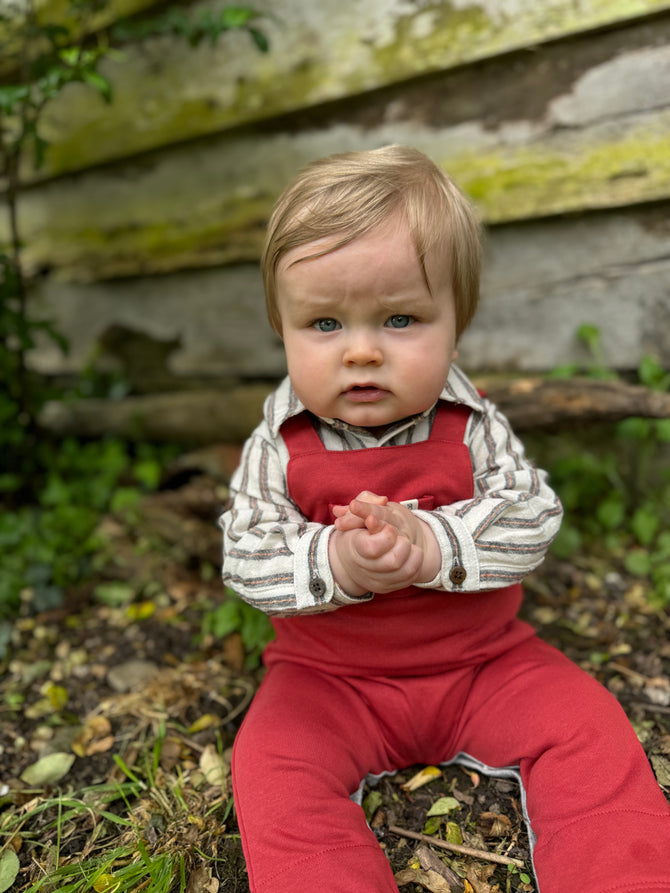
(365, 340)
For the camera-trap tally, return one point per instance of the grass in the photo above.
(150, 828)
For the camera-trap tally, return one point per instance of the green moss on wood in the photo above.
(535, 181)
(276, 83)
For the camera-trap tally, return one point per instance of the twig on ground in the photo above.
(458, 848)
(655, 681)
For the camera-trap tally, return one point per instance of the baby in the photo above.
(384, 514)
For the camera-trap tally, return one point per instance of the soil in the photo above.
(124, 662)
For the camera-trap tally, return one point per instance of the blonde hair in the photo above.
(348, 194)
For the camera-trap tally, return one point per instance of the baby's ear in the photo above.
(454, 355)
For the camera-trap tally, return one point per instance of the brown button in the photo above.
(457, 575)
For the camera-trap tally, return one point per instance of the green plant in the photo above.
(617, 493)
(48, 545)
(236, 616)
(120, 837)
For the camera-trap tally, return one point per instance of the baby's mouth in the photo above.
(365, 393)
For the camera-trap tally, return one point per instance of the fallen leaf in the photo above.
(95, 729)
(9, 868)
(140, 610)
(371, 804)
(106, 883)
(478, 877)
(212, 767)
(170, 753)
(206, 721)
(430, 880)
(473, 776)
(491, 824)
(56, 695)
(426, 775)
(430, 861)
(661, 765)
(48, 770)
(201, 881)
(100, 745)
(454, 834)
(443, 806)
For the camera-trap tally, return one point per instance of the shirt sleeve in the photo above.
(272, 556)
(500, 535)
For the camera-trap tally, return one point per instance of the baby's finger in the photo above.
(372, 546)
(349, 522)
(369, 496)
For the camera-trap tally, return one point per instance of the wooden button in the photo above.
(457, 575)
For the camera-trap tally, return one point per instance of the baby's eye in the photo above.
(326, 325)
(399, 321)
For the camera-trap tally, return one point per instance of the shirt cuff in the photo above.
(313, 578)
(460, 570)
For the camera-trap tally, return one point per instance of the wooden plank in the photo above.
(216, 416)
(165, 216)
(167, 92)
(541, 281)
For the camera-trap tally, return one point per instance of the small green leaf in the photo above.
(432, 825)
(9, 868)
(99, 83)
(638, 562)
(568, 541)
(443, 806)
(371, 804)
(260, 40)
(611, 512)
(454, 834)
(645, 523)
(114, 594)
(236, 16)
(48, 770)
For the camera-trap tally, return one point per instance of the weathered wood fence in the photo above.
(143, 229)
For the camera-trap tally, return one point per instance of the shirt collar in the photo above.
(283, 403)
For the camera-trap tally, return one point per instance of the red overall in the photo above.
(421, 676)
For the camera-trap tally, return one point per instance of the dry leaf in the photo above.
(201, 881)
(426, 775)
(430, 880)
(491, 824)
(170, 752)
(430, 861)
(206, 721)
(96, 728)
(473, 776)
(212, 767)
(478, 877)
(100, 745)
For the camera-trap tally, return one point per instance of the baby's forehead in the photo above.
(396, 223)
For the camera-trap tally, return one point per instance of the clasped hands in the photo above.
(380, 546)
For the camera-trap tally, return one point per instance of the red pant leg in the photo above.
(602, 824)
(303, 748)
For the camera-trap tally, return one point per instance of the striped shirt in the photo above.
(271, 551)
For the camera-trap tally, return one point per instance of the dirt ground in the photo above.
(124, 660)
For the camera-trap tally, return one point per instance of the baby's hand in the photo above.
(381, 546)
(345, 519)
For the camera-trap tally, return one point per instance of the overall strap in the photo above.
(300, 435)
(450, 422)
